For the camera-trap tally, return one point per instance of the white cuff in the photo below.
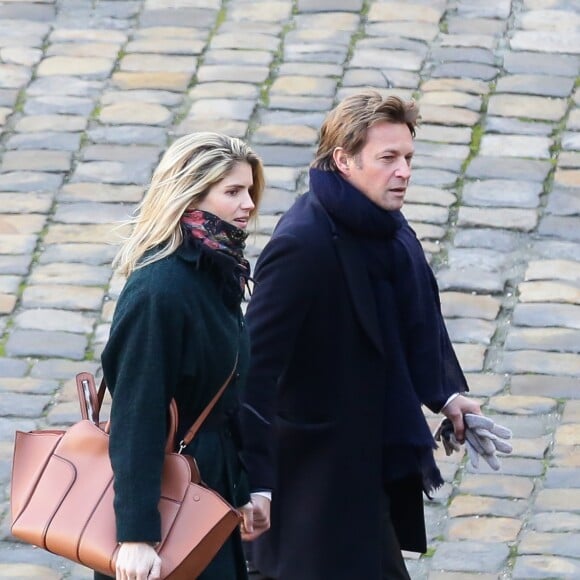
(451, 398)
(266, 494)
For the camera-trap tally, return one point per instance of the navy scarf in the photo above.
(421, 367)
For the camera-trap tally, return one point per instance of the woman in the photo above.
(176, 332)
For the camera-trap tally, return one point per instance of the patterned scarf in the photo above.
(219, 236)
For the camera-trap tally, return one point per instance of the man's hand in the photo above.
(455, 410)
(258, 522)
(137, 561)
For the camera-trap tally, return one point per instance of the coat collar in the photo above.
(189, 252)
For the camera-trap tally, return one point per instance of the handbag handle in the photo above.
(91, 401)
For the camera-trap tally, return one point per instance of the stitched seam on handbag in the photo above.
(89, 517)
(33, 490)
(57, 508)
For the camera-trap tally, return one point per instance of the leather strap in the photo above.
(93, 402)
(192, 431)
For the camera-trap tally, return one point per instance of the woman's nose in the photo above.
(248, 202)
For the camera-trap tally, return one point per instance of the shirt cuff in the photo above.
(451, 398)
(266, 494)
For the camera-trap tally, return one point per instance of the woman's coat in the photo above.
(175, 334)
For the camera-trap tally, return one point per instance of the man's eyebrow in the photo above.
(395, 150)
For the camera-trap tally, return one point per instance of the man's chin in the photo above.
(395, 205)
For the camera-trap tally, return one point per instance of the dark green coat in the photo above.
(175, 334)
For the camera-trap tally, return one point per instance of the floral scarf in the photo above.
(218, 235)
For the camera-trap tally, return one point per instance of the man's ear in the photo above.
(341, 160)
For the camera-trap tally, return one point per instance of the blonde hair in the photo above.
(187, 170)
(346, 126)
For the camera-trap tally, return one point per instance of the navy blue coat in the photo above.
(314, 406)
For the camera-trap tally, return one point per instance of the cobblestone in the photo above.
(92, 92)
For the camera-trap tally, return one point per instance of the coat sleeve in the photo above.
(453, 379)
(281, 298)
(141, 364)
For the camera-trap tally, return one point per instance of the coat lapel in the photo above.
(359, 287)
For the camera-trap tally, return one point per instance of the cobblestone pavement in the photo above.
(91, 92)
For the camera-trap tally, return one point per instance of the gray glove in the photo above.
(483, 438)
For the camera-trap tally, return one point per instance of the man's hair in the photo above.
(346, 126)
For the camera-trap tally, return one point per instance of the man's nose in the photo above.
(404, 168)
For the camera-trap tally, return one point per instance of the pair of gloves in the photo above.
(483, 438)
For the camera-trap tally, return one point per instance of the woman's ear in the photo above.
(341, 160)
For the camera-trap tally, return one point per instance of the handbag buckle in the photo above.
(182, 446)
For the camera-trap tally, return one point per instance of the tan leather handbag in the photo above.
(62, 495)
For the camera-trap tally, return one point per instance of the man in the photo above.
(348, 342)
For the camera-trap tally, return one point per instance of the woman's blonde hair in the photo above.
(346, 126)
(186, 172)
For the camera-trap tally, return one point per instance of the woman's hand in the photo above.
(137, 561)
(247, 523)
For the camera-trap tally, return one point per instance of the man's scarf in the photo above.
(421, 367)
